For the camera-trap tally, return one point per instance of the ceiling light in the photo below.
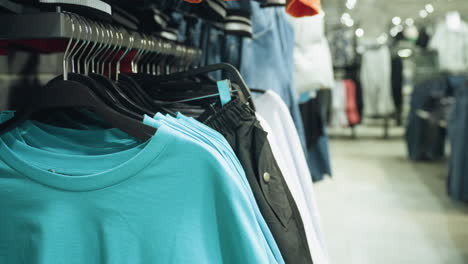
(382, 38)
(347, 20)
(409, 21)
(423, 13)
(350, 4)
(396, 21)
(405, 53)
(395, 30)
(345, 16)
(429, 8)
(359, 32)
(349, 23)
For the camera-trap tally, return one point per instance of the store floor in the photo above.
(380, 208)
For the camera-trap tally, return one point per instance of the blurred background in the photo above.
(367, 99)
(398, 190)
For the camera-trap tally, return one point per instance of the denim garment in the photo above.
(211, 44)
(319, 159)
(267, 58)
(232, 43)
(243, 5)
(319, 155)
(415, 130)
(458, 124)
(231, 50)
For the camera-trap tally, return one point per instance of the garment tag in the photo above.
(224, 89)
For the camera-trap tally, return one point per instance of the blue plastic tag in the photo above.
(224, 89)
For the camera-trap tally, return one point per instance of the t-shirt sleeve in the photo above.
(219, 220)
(240, 235)
(301, 8)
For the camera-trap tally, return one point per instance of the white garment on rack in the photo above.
(275, 118)
(452, 47)
(339, 117)
(312, 55)
(376, 72)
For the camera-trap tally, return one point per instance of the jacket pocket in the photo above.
(271, 180)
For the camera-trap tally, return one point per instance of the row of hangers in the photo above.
(103, 45)
(92, 77)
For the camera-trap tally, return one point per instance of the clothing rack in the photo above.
(60, 25)
(57, 29)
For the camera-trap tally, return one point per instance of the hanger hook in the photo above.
(137, 54)
(102, 44)
(103, 52)
(88, 42)
(73, 54)
(114, 47)
(91, 50)
(147, 56)
(74, 45)
(67, 50)
(109, 49)
(117, 50)
(117, 67)
(143, 52)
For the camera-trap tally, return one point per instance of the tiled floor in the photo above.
(380, 208)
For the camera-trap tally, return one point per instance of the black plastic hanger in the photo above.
(104, 94)
(237, 78)
(255, 90)
(72, 94)
(121, 95)
(129, 86)
(133, 88)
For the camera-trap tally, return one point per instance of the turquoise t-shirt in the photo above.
(218, 143)
(74, 141)
(134, 206)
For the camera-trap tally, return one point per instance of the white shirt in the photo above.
(376, 74)
(275, 118)
(312, 55)
(339, 117)
(452, 47)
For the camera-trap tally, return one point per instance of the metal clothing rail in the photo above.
(59, 25)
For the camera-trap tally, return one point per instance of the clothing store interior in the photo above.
(242, 131)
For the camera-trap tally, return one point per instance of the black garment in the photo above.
(424, 38)
(324, 99)
(397, 85)
(433, 115)
(237, 123)
(313, 121)
(425, 139)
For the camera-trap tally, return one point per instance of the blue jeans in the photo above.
(211, 44)
(232, 49)
(319, 159)
(267, 58)
(458, 125)
(416, 130)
